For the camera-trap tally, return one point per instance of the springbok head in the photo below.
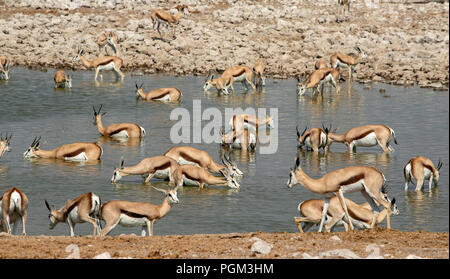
(384, 195)
(31, 151)
(111, 40)
(436, 173)
(80, 52)
(301, 136)
(5, 71)
(231, 166)
(301, 86)
(116, 175)
(171, 193)
(292, 178)
(139, 89)
(68, 81)
(55, 216)
(97, 114)
(363, 54)
(208, 82)
(4, 144)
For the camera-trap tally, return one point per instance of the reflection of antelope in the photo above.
(166, 94)
(368, 180)
(190, 155)
(342, 60)
(108, 38)
(197, 176)
(82, 209)
(160, 167)
(79, 151)
(4, 144)
(4, 67)
(365, 136)
(341, 9)
(421, 169)
(360, 214)
(62, 80)
(117, 130)
(163, 18)
(133, 214)
(317, 80)
(13, 203)
(101, 63)
(258, 69)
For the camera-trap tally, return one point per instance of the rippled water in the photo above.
(29, 107)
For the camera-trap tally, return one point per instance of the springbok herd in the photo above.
(185, 165)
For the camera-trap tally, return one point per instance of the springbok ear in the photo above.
(47, 205)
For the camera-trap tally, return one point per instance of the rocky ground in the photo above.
(377, 243)
(407, 43)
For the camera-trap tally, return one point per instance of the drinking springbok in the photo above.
(109, 38)
(134, 214)
(62, 80)
(365, 136)
(78, 151)
(117, 130)
(82, 209)
(4, 144)
(360, 214)
(163, 18)
(4, 67)
(106, 63)
(368, 180)
(231, 75)
(13, 204)
(258, 69)
(314, 138)
(160, 167)
(197, 176)
(342, 60)
(243, 139)
(190, 155)
(421, 169)
(317, 80)
(166, 94)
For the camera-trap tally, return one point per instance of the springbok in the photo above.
(231, 75)
(133, 214)
(197, 176)
(82, 209)
(321, 64)
(342, 60)
(163, 18)
(317, 80)
(100, 63)
(166, 94)
(243, 139)
(249, 121)
(368, 180)
(160, 167)
(108, 38)
(341, 9)
(314, 138)
(360, 214)
(4, 144)
(62, 80)
(78, 151)
(190, 155)
(4, 67)
(119, 130)
(421, 169)
(13, 203)
(258, 69)
(365, 136)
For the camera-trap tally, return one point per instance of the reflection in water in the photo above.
(3, 170)
(120, 141)
(64, 163)
(419, 206)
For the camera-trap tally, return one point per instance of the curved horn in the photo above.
(95, 112)
(142, 84)
(439, 165)
(298, 133)
(47, 205)
(136, 85)
(306, 128)
(161, 190)
(297, 162)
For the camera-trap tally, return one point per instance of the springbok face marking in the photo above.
(80, 53)
(31, 151)
(5, 72)
(208, 82)
(231, 166)
(68, 83)
(139, 89)
(51, 216)
(4, 144)
(301, 137)
(116, 175)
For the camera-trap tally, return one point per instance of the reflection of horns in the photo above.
(122, 161)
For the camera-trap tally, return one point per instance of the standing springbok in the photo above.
(314, 138)
(258, 69)
(341, 9)
(109, 38)
(101, 63)
(190, 155)
(4, 144)
(243, 139)
(133, 214)
(317, 80)
(4, 67)
(160, 167)
(62, 80)
(249, 121)
(342, 60)
(82, 209)
(365, 136)
(360, 214)
(196, 176)
(166, 94)
(78, 151)
(368, 180)
(421, 169)
(231, 75)
(163, 18)
(117, 130)
(13, 203)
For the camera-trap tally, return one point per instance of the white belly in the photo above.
(107, 67)
(80, 157)
(367, 141)
(355, 187)
(326, 79)
(162, 174)
(340, 64)
(190, 182)
(166, 98)
(182, 161)
(239, 78)
(73, 216)
(128, 221)
(121, 134)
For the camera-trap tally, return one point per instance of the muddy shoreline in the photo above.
(407, 43)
